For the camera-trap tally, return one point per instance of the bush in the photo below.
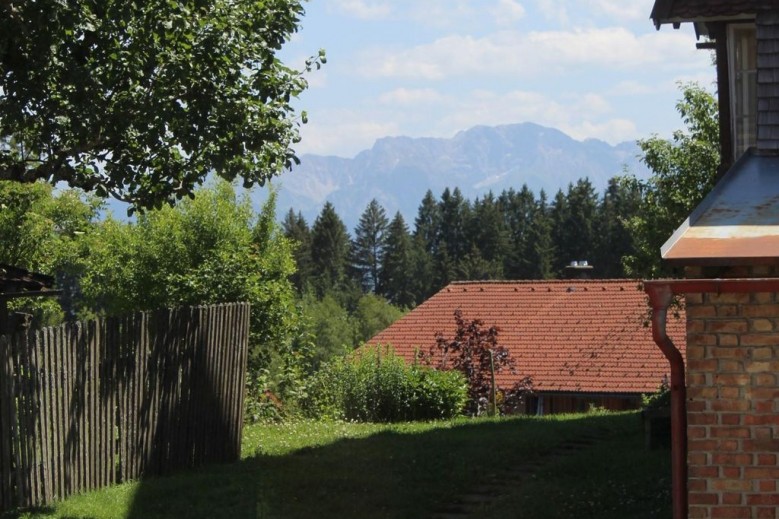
(376, 386)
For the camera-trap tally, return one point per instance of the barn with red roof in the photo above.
(584, 342)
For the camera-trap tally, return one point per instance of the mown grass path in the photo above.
(406, 471)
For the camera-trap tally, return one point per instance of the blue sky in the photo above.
(430, 68)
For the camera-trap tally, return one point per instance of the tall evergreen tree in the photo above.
(540, 251)
(487, 228)
(329, 250)
(518, 211)
(453, 232)
(620, 203)
(296, 229)
(428, 223)
(396, 283)
(368, 245)
(582, 212)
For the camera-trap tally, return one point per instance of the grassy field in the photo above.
(406, 471)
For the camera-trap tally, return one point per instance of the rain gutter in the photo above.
(661, 294)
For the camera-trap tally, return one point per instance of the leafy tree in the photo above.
(329, 326)
(46, 232)
(396, 283)
(211, 249)
(684, 171)
(329, 250)
(474, 351)
(141, 100)
(369, 244)
(372, 315)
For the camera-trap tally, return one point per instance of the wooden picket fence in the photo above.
(87, 405)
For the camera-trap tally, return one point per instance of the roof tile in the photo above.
(568, 335)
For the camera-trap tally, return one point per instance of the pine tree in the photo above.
(620, 203)
(487, 228)
(540, 251)
(296, 229)
(329, 251)
(428, 222)
(396, 283)
(453, 232)
(368, 245)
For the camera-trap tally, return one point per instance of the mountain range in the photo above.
(397, 171)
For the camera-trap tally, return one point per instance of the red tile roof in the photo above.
(568, 335)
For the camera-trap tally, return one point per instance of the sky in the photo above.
(430, 68)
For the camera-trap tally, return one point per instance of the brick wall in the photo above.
(733, 400)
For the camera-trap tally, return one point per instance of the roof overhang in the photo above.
(737, 223)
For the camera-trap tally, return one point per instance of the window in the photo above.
(742, 49)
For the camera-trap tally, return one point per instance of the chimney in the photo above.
(578, 270)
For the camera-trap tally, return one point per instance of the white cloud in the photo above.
(507, 12)
(625, 10)
(532, 54)
(412, 96)
(554, 11)
(344, 132)
(363, 9)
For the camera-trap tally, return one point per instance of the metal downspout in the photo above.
(660, 297)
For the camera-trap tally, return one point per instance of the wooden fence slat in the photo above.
(86, 405)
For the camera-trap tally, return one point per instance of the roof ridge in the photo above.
(543, 281)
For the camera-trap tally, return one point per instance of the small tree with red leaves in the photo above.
(469, 353)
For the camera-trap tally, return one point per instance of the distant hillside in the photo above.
(398, 171)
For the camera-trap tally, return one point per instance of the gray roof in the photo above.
(737, 223)
(677, 11)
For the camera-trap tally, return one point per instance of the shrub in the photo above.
(376, 386)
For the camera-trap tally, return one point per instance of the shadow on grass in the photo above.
(411, 471)
(386, 475)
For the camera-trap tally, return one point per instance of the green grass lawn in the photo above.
(404, 471)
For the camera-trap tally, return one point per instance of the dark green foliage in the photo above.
(474, 351)
(297, 231)
(375, 385)
(329, 251)
(368, 246)
(142, 100)
(684, 171)
(395, 281)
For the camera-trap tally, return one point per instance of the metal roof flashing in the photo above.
(737, 223)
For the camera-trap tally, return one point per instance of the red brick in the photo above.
(698, 512)
(732, 379)
(697, 432)
(766, 485)
(732, 498)
(730, 419)
(701, 365)
(731, 472)
(696, 379)
(704, 472)
(731, 512)
(759, 339)
(729, 432)
(764, 379)
(731, 459)
(761, 419)
(757, 366)
(765, 393)
(764, 353)
(730, 366)
(729, 392)
(698, 458)
(766, 513)
(728, 311)
(728, 297)
(695, 498)
(730, 405)
(729, 352)
(761, 310)
(761, 325)
(702, 419)
(731, 485)
(763, 499)
(700, 392)
(701, 339)
(727, 325)
(696, 407)
(703, 311)
(697, 485)
(728, 339)
(763, 406)
(766, 459)
(761, 472)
